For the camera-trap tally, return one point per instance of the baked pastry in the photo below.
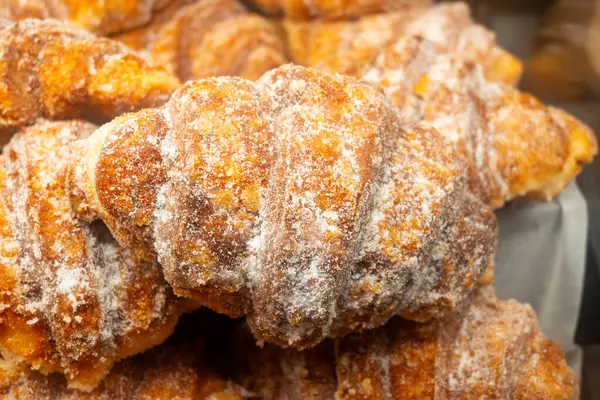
(331, 9)
(349, 46)
(100, 16)
(168, 372)
(71, 300)
(55, 70)
(299, 200)
(515, 145)
(210, 38)
(489, 349)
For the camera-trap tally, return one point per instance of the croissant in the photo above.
(167, 372)
(210, 38)
(350, 46)
(71, 300)
(488, 348)
(54, 70)
(100, 16)
(331, 9)
(514, 145)
(299, 200)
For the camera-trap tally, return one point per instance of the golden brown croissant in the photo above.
(331, 9)
(100, 16)
(210, 38)
(488, 349)
(514, 144)
(349, 46)
(56, 70)
(167, 372)
(299, 200)
(71, 300)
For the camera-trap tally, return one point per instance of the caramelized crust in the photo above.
(350, 46)
(298, 200)
(489, 349)
(331, 9)
(71, 300)
(514, 145)
(58, 71)
(99, 16)
(210, 38)
(168, 372)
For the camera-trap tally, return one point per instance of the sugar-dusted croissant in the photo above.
(56, 70)
(210, 38)
(488, 349)
(299, 200)
(100, 16)
(514, 144)
(168, 372)
(331, 9)
(349, 46)
(71, 300)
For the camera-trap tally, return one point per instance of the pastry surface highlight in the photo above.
(55, 70)
(489, 349)
(72, 301)
(171, 371)
(99, 16)
(210, 38)
(299, 200)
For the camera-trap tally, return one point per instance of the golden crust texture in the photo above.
(514, 145)
(489, 349)
(331, 9)
(210, 38)
(71, 300)
(348, 47)
(99, 16)
(167, 372)
(54, 70)
(298, 200)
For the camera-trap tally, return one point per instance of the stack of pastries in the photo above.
(166, 157)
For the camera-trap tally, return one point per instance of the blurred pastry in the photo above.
(330, 9)
(56, 70)
(300, 200)
(489, 349)
(210, 38)
(99, 16)
(168, 372)
(72, 301)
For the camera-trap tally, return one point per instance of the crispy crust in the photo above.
(58, 71)
(298, 200)
(73, 301)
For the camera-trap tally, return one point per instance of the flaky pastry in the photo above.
(515, 145)
(100, 16)
(299, 200)
(331, 9)
(72, 301)
(56, 70)
(210, 38)
(488, 349)
(349, 46)
(168, 372)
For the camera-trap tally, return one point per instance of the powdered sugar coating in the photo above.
(102, 17)
(56, 70)
(487, 348)
(298, 200)
(210, 38)
(73, 301)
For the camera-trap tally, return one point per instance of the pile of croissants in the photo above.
(322, 173)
